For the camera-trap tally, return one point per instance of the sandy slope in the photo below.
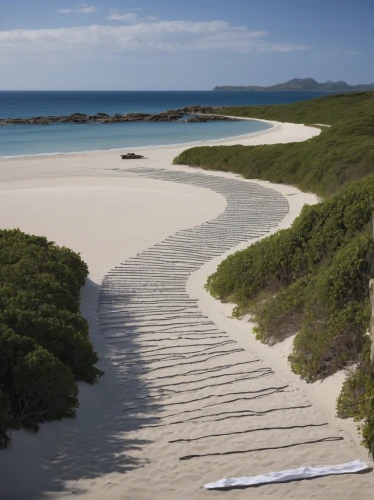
(118, 446)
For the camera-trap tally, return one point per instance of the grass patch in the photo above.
(341, 153)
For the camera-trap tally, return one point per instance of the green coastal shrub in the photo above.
(342, 153)
(44, 388)
(329, 109)
(281, 315)
(337, 313)
(44, 289)
(357, 393)
(356, 399)
(310, 280)
(12, 348)
(367, 429)
(44, 343)
(4, 419)
(289, 254)
(61, 332)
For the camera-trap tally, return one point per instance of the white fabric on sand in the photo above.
(290, 475)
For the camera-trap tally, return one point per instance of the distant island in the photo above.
(303, 84)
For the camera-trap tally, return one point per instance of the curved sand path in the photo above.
(197, 394)
(231, 401)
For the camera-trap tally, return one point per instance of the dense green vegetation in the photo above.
(312, 279)
(44, 344)
(356, 399)
(341, 153)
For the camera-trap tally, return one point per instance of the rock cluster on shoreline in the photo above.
(189, 114)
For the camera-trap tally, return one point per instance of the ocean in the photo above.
(24, 140)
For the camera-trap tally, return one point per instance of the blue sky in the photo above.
(193, 44)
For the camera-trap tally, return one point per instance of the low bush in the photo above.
(63, 333)
(336, 313)
(357, 392)
(44, 344)
(4, 419)
(356, 399)
(316, 277)
(289, 254)
(44, 388)
(367, 429)
(280, 315)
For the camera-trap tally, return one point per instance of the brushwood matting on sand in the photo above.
(179, 367)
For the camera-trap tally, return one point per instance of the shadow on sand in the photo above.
(97, 443)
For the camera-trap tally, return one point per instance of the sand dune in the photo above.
(189, 397)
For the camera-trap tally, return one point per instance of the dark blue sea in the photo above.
(67, 137)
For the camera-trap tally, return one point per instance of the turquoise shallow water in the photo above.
(65, 137)
(68, 137)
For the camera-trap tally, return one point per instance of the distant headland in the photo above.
(303, 84)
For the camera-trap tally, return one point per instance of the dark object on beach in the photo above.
(131, 156)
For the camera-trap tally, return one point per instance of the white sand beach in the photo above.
(188, 397)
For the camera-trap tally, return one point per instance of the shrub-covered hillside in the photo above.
(312, 279)
(44, 344)
(341, 153)
(330, 109)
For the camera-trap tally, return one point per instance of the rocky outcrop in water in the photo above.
(189, 114)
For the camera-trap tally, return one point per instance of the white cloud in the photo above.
(172, 36)
(117, 16)
(153, 18)
(82, 8)
(86, 10)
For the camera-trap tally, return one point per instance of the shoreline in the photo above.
(206, 142)
(105, 162)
